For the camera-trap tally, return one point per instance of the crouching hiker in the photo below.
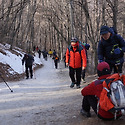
(92, 94)
(28, 59)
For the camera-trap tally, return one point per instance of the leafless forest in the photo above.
(50, 24)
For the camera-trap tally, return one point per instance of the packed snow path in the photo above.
(41, 101)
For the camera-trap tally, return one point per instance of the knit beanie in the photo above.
(103, 69)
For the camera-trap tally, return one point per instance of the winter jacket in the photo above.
(76, 57)
(95, 88)
(56, 59)
(106, 49)
(28, 59)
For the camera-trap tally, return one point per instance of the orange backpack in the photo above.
(113, 93)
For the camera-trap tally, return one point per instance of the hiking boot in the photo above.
(84, 113)
(78, 86)
(72, 85)
(84, 81)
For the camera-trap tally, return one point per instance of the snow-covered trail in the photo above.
(38, 101)
(46, 100)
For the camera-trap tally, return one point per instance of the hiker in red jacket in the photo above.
(92, 93)
(76, 60)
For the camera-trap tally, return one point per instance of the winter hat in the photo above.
(75, 39)
(25, 55)
(103, 69)
(104, 30)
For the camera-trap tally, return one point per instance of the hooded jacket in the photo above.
(105, 49)
(75, 58)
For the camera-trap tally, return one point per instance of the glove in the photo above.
(87, 46)
(83, 68)
(117, 51)
(67, 64)
(100, 61)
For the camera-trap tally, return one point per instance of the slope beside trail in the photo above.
(46, 100)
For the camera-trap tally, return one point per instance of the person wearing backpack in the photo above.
(50, 53)
(111, 49)
(86, 46)
(64, 59)
(56, 60)
(28, 59)
(76, 60)
(54, 52)
(91, 94)
(39, 52)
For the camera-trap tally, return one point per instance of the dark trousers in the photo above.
(117, 68)
(89, 101)
(72, 72)
(65, 64)
(83, 74)
(39, 55)
(29, 69)
(56, 64)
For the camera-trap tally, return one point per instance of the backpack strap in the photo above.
(80, 48)
(106, 89)
(116, 39)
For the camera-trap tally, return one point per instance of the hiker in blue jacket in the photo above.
(111, 49)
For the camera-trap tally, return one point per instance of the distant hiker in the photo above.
(39, 52)
(56, 60)
(111, 49)
(50, 53)
(34, 48)
(64, 59)
(44, 52)
(76, 59)
(86, 46)
(28, 59)
(92, 93)
(54, 52)
(37, 48)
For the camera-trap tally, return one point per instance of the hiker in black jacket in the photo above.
(28, 59)
(56, 60)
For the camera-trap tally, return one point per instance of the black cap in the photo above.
(75, 39)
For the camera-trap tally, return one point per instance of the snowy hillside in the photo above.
(11, 62)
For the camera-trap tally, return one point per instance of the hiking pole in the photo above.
(6, 83)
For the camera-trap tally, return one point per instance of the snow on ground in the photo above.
(31, 96)
(15, 61)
